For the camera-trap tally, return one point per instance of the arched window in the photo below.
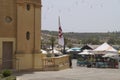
(27, 35)
(28, 7)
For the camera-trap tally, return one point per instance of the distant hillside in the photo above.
(87, 38)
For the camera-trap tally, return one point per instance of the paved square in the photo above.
(76, 73)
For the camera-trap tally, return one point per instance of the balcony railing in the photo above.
(56, 63)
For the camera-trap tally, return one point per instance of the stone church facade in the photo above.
(20, 26)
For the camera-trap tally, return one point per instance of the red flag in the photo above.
(60, 35)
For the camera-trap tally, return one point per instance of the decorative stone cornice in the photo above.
(35, 2)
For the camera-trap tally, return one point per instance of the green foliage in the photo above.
(91, 41)
(88, 38)
(52, 40)
(80, 59)
(70, 45)
(49, 55)
(6, 73)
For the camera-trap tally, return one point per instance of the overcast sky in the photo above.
(81, 15)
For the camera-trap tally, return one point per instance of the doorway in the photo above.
(7, 60)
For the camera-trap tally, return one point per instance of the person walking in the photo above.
(70, 61)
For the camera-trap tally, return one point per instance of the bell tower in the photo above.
(28, 26)
(20, 31)
(28, 33)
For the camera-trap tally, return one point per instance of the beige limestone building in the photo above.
(20, 25)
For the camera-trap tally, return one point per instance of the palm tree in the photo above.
(65, 43)
(52, 41)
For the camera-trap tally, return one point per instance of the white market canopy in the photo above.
(55, 52)
(74, 49)
(105, 47)
(112, 55)
(86, 52)
(43, 51)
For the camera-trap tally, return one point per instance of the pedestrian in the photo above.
(70, 61)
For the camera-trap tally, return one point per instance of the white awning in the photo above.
(105, 47)
(111, 55)
(86, 52)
